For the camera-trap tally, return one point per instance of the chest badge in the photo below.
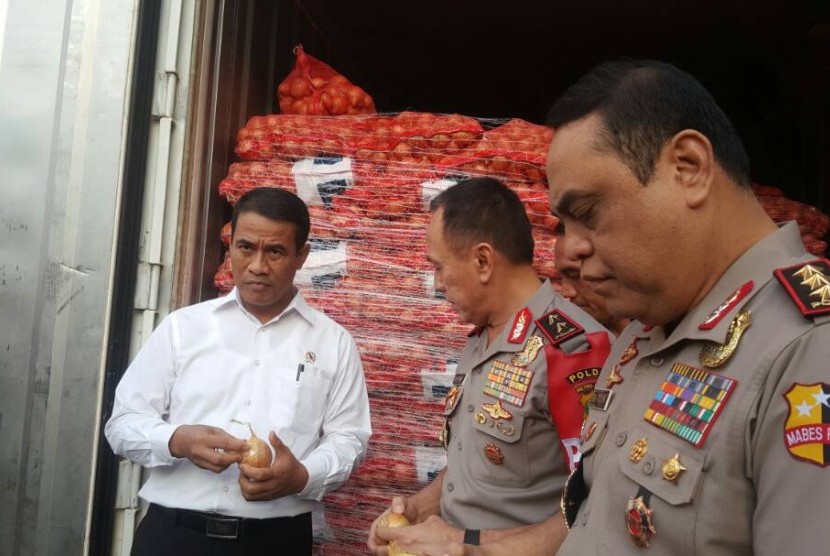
(451, 400)
(672, 468)
(714, 355)
(496, 411)
(639, 450)
(529, 353)
(688, 402)
(493, 453)
(638, 519)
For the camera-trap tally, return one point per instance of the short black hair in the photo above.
(278, 205)
(643, 104)
(485, 210)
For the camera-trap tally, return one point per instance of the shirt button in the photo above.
(450, 487)
(585, 517)
(656, 361)
(256, 362)
(648, 466)
(459, 444)
(226, 489)
(621, 438)
(247, 402)
(470, 408)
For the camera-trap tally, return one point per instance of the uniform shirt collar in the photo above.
(756, 264)
(297, 304)
(537, 304)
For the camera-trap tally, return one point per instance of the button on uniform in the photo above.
(621, 438)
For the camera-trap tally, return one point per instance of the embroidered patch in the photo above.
(688, 402)
(713, 318)
(508, 382)
(807, 428)
(809, 286)
(558, 327)
(583, 381)
(521, 324)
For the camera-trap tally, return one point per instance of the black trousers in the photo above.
(180, 533)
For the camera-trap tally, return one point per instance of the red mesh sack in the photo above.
(314, 88)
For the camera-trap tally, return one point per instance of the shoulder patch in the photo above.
(807, 429)
(558, 327)
(808, 285)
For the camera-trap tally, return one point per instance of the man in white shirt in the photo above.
(261, 356)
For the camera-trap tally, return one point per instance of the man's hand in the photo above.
(207, 447)
(399, 505)
(433, 536)
(285, 476)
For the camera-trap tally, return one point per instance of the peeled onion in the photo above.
(258, 454)
(395, 520)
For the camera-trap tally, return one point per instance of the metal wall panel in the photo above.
(63, 97)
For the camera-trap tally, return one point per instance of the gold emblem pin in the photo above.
(508, 430)
(496, 411)
(614, 377)
(714, 355)
(529, 353)
(638, 520)
(588, 431)
(672, 468)
(630, 352)
(639, 450)
(480, 418)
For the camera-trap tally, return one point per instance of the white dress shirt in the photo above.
(212, 363)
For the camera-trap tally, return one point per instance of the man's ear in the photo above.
(691, 161)
(484, 261)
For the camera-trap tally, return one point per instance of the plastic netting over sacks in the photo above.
(368, 181)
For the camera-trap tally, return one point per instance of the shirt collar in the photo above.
(756, 264)
(537, 304)
(297, 303)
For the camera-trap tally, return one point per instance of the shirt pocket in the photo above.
(296, 401)
(672, 495)
(499, 439)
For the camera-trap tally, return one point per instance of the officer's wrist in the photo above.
(472, 537)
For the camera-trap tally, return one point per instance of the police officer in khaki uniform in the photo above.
(708, 432)
(517, 404)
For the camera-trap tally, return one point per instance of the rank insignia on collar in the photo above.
(689, 401)
(493, 453)
(614, 377)
(508, 383)
(714, 355)
(713, 318)
(451, 400)
(630, 352)
(558, 327)
(808, 285)
(496, 411)
(529, 353)
(638, 519)
(521, 324)
(807, 428)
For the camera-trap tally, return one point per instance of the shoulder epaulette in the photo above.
(558, 327)
(808, 284)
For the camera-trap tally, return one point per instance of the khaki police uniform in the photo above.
(508, 453)
(714, 438)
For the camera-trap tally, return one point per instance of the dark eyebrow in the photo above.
(565, 202)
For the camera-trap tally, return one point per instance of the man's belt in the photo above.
(218, 526)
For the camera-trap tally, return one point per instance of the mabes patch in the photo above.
(807, 429)
(809, 286)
